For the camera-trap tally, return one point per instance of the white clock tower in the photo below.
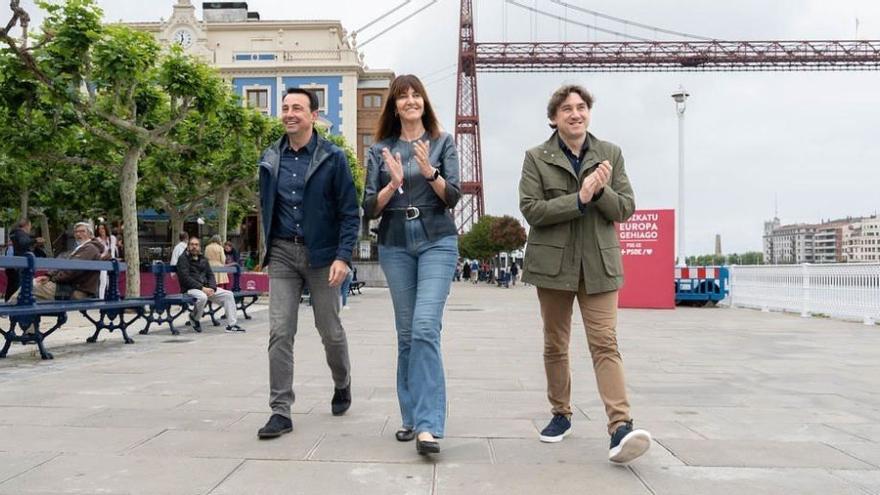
(183, 29)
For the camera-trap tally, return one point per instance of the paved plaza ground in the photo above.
(739, 402)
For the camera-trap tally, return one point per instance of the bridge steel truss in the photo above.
(637, 56)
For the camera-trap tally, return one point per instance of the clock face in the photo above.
(183, 37)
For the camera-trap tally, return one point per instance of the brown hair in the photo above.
(389, 121)
(561, 94)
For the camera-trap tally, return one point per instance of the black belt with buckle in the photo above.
(413, 212)
(297, 239)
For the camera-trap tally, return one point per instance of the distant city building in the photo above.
(850, 240)
(861, 241)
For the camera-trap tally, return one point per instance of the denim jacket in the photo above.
(435, 213)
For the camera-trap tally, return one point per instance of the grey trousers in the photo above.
(289, 273)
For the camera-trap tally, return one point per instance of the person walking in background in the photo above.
(466, 271)
(514, 271)
(572, 190)
(217, 257)
(475, 271)
(180, 248)
(412, 183)
(109, 252)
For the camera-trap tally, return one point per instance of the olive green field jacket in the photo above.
(564, 242)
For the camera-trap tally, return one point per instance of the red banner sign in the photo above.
(647, 243)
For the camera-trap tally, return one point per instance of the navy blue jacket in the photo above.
(332, 219)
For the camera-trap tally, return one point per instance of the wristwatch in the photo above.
(433, 176)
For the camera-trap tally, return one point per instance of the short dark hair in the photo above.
(183, 236)
(313, 99)
(560, 96)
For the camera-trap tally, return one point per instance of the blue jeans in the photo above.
(419, 277)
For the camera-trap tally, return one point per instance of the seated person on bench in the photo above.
(197, 280)
(71, 284)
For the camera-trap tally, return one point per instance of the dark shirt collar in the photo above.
(310, 146)
(584, 148)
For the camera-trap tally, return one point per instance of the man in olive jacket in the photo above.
(572, 190)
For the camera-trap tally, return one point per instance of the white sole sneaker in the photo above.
(556, 439)
(631, 447)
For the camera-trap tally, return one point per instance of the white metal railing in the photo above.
(850, 291)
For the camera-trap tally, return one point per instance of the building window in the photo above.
(372, 101)
(320, 91)
(366, 142)
(258, 99)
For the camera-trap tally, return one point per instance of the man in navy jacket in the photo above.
(310, 223)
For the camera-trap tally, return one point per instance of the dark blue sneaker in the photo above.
(628, 444)
(557, 429)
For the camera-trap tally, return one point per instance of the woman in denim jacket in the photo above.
(413, 183)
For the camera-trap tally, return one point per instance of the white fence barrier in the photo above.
(850, 291)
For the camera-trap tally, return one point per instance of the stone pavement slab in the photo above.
(226, 445)
(867, 480)
(739, 402)
(308, 478)
(69, 439)
(532, 479)
(107, 474)
(675, 480)
(14, 464)
(761, 453)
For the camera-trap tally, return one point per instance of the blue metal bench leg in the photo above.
(243, 306)
(146, 328)
(38, 337)
(212, 312)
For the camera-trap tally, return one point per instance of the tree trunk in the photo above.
(44, 233)
(176, 223)
(128, 195)
(24, 198)
(223, 199)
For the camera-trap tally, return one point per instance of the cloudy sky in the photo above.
(802, 139)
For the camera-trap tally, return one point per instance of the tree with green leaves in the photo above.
(477, 243)
(118, 85)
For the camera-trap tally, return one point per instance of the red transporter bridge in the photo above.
(636, 56)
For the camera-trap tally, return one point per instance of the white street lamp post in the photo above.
(680, 105)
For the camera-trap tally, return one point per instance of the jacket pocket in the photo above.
(612, 261)
(556, 185)
(557, 235)
(543, 259)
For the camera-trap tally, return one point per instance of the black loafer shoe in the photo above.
(405, 434)
(425, 447)
(276, 426)
(341, 401)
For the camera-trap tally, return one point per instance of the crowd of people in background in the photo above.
(475, 271)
